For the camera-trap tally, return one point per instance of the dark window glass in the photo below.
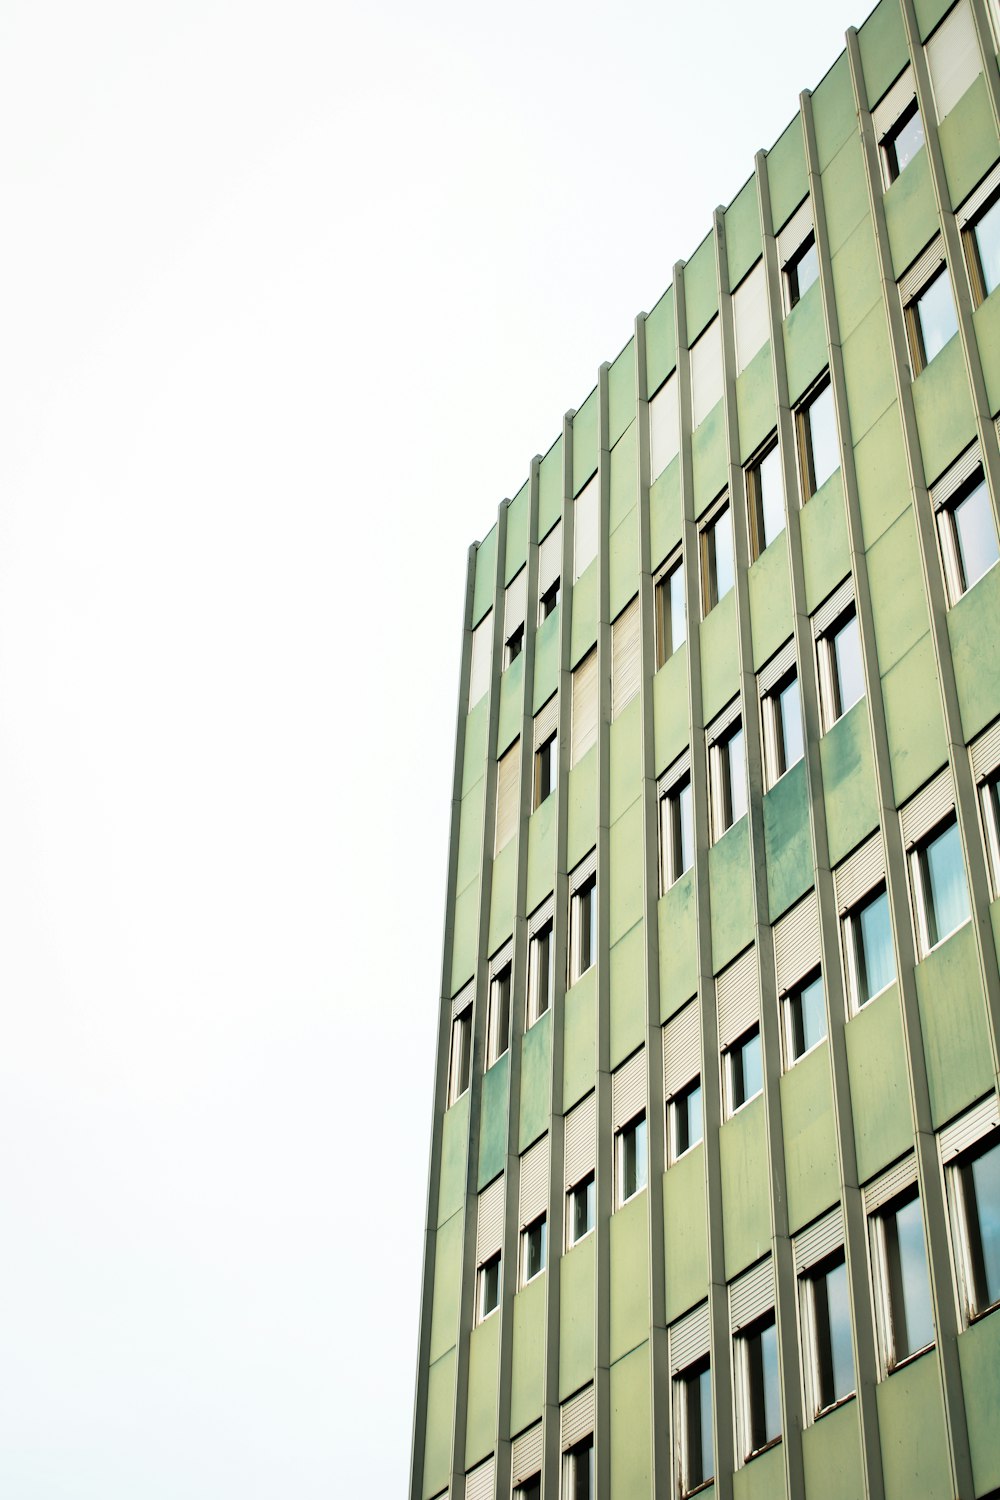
(686, 1111)
(834, 1373)
(676, 832)
(586, 926)
(699, 1460)
(535, 1238)
(548, 601)
(763, 1386)
(581, 1209)
(912, 1323)
(729, 766)
(874, 958)
(541, 973)
(802, 270)
(767, 501)
(806, 1016)
(717, 563)
(671, 626)
(903, 141)
(788, 747)
(632, 1159)
(980, 1174)
(499, 1033)
(579, 1464)
(746, 1069)
(529, 1489)
(489, 1286)
(546, 769)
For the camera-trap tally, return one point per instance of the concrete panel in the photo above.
(536, 1081)
(502, 895)
(883, 478)
(583, 625)
(917, 746)
(849, 790)
(463, 954)
(493, 1120)
(942, 404)
(661, 346)
(953, 1025)
(511, 704)
(834, 116)
(743, 242)
(671, 719)
(770, 590)
(477, 725)
(746, 1197)
(438, 1426)
(804, 334)
(709, 470)
(685, 1239)
(626, 759)
(755, 409)
(626, 872)
(550, 488)
(701, 288)
(579, 1023)
(731, 894)
(899, 603)
(910, 213)
(541, 853)
(621, 393)
(485, 575)
(631, 1426)
(812, 1177)
(481, 1420)
(974, 628)
(630, 1276)
(516, 554)
(831, 1456)
(581, 799)
(623, 483)
(528, 1355)
(826, 557)
(585, 442)
(979, 1355)
(986, 325)
(786, 841)
(911, 1424)
(678, 945)
(868, 373)
(628, 994)
(470, 836)
(763, 1478)
(546, 678)
(623, 563)
(856, 283)
(665, 515)
(448, 1244)
(845, 193)
(576, 1320)
(969, 143)
(880, 1091)
(786, 172)
(454, 1156)
(720, 661)
(884, 53)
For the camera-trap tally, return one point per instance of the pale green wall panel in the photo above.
(883, 478)
(928, 14)
(708, 458)
(502, 895)
(454, 1158)
(630, 1275)
(470, 836)
(882, 40)
(630, 1427)
(481, 1422)
(671, 720)
(731, 894)
(541, 853)
(915, 729)
(755, 409)
(804, 333)
(910, 212)
(528, 1355)
(485, 576)
(579, 1057)
(576, 1317)
(583, 632)
(946, 423)
(979, 1355)
(701, 288)
(678, 945)
(986, 325)
(625, 741)
(623, 485)
(849, 790)
(720, 661)
(880, 1094)
(438, 1425)
(665, 512)
(856, 282)
(493, 1120)
(911, 1425)
(517, 532)
(953, 1025)
(621, 393)
(786, 172)
(536, 1081)
(585, 442)
(627, 885)
(812, 1176)
(831, 1456)
(511, 704)
(463, 956)
(628, 994)
(763, 1478)
(826, 558)
(746, 1219)
(868, 373)
(787, 843)
(845, 193)
(477, 725)
(550, 488)
(685, 1238)
(743, 242)
(974, 628)
(546, 678)
(623, 564)
(969, 141)
(770, 593)
(581, 802)
(834, 116)
(899, 604)
(447, 1285)
(661, 344)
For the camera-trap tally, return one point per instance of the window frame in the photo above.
(809, 1323)
(672, 567)
(987, 1138)
(683, 1381)
(540, 1225)
(888, 154)
(804, 445)
(930, 268)
(482, 1284)
(886, 1312)
(721, 781)
(499, 1013)
(671, 824)
(546, 754)
(583, 922)
(852, 943)
(460, 1053)
(631, 1128)
(831, 694)
(570, 1488)
(544, 934)
(790, 271)
(744, 1392)
(925, 919)
(673, 1105)
(710, 597)
(948, 496)
(756, 534)
(787, 1003)
(587, 1184)
(970, 246)
(776, 762)
(738, 1044)
(988, 797)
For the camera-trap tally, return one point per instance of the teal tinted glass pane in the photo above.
(936, 313)
(982, 1199)
(811, 1027)
(987, 235)
(975, 535)
(848, 668)
(771, 1382)
(910, 1292)
(807, 268)
(737, 775)
(947, 894)
(722, 538)
(841, 1352)
(678, 623)
(823, 436)
(772, 496)
(876, 962)
(752, 1067)
(790, 719)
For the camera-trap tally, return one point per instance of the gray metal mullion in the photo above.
(718, 1305)
(443, 1056)
(930, 1180)
(855, 1231)
(659, 1375)
(468, 1293)
(518, 986)
(605, 1170)
(551, 1467)
(781, 1250)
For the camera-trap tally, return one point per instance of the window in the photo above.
(968, 536)
(750, 316)
(580, 1209)
(717, 564)
(585, 705)
(727, 779)
(460, 1057)
(684, 1127)
(488, 1278)
(548, 602)
(902, 1287)
(498, 1017)
(513, 646)
(578, 1471)
(940, 893)
(765, 500)
(676, 833)
(546, 768)
(549, 567)
(982, 250)
(826, 1327)
(671, 625)
(744, 1071)
(508, 796)
(529, 1489)
(805, 1017)
(801, 270)
(759, 1387)
(533, 1250)
(664, 428)
(816, 429)
(583, 928)
(479, 662)
(953, 58)
(515, 602)
(973, 1179)
(630, 1159)
(693, 1397)
(871, 963)
(586, 514)
(706, 373)
(541, 972)
(782, 718)
(841, 673)
(931, 321)
(901, 142)
(989, 801)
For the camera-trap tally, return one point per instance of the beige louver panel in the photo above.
(463, 1000)
(479, 1481)
(508, 787)
(502, 958)
(975, 201)
(549, 559)
(953, 58)
(898, 1178)
(533, 1184)
(952, 479)
(628, 1089)
(515, 601)
(625, 673)
(833, 607)
(586, 525)
(796, 943)
(923, 268)
(576, 1418)
(689, 1339)
(585, 703)
(681, 1049)
(738, 999)
(674, 773)
(540, 917)
(985, 752)
(891, 106)
(818, 1241)
(664, 427)
(479, 667)
(580, 1141)
(751, 1295)
(526, 1455)
(933, 803)
(489, 1220)
(781, 663)
(969, 1128)
(723, 721)
(859, 873)
(546, 721)
(795, 231)
(582, 872)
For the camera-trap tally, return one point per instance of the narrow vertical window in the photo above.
(989, 801)
(974, 1194)
(671, 625)
(630, 1165)
(744, 1070)
(982, 250)
(841, 671)
(498, 1019)
(826, 1321)
(801, 270)
(765, 500)
(541, 973)
(805, 1017)
(783, 737)
(578, 1471)
(819, 450)
(941, 894)
(676, 832)
(931, 320)
(717, 564)
(684, 1120)
(583, 928)
(727, 779)
(581, 1204)
(515, 601)
(489, 1286)
(460, 1057)
(694, 1424)
(901, 142)
(906, 1323)
(546, 769)
(533, 1250)
(760, 1386)
(871, 963)
(586, 515)
(968, 536)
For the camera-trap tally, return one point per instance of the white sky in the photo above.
(291, 294)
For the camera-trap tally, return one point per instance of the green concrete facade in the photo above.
(897, 1097)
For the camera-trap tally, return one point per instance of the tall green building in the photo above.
(714, 1199)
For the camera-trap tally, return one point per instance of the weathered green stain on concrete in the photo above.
(493, 1120)
(731, 894)
(953, 1025)
(911, 1424)
(812, 1176)
(678, 945)
(883, 482)
(880, 1093)
(578, 1040)
(974, 628)
(484, 1352)
(849, 790)
(770, 600)
(855, 278)
(685, 1242)
(979, 1355)
(786, 840)
(576, 1317)
(630, 1275)
(528, 1354)
(868, 373)
(746, 1219)
(899, 603)
(536, 1066)
(826, 557)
